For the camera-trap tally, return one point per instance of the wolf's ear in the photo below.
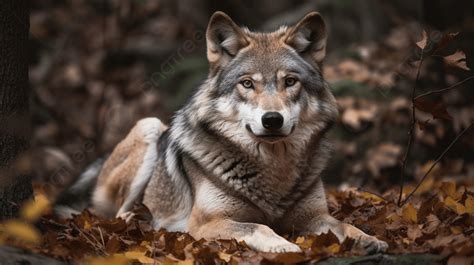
(308, 37)
(224, 39)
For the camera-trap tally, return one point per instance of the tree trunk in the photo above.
(15, 185)
(16, 256)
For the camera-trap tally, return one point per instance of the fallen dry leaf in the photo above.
(422, 43)
(35, 208)
(19, 230)
(457, 59)
(410, 214)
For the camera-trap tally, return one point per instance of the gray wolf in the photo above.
(243, 158)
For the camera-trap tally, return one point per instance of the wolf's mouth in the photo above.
(269, 137)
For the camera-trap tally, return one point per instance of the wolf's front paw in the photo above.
(276, 245)
(286, 247)
(126, 216)
(266, 240)
(371, 244)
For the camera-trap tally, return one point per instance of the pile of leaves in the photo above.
(439, 219)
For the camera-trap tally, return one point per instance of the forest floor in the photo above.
(435, 226)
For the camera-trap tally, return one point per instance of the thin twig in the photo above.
(97, 244)
(411, 131)
(153, 249)
(101, 236)
(444, 89)
(436, 162)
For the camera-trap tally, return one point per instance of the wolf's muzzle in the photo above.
(272, 121)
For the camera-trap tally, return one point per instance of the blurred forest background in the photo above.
(99, 66)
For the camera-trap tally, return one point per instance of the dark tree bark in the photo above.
(15, 185)
(16, 256)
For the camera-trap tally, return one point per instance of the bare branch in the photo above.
(436, 162)
(411, 131)
(444, 89)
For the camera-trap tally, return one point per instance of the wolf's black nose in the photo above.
(272, 120)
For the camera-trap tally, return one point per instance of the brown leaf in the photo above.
(423, 41)
(356, 118)
(445, 40)
(431, 225)
(325, 240)
(460, 260)
(457, 59)
(437, 109)
(426, 208)
(423, 125)
(385, 155)
(414, 232)
(113, 244)
(285, 258)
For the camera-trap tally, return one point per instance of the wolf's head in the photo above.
(266, 87)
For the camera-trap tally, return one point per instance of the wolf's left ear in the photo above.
(308, 37)
(224, 39)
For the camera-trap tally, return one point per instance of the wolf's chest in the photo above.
(273, 190)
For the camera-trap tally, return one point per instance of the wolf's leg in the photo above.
(311, 216)
(218, 215)
(150, 131)
(257, 236)
(127, 170)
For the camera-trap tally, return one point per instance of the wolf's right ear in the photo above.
(224, 39)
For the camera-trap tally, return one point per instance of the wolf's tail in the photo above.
(78, 196)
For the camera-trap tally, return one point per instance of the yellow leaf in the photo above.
(140, 256)
(299, 240)
(456, 230)
(185, 262)
(114, 260)
(409, 213)
(34, 209)
(393, 217)
(449, 189)
(370, 196)
(425, 186)
(87, 225)
(334, 248)
(469, 204)
(224, 256)
(21, 231)
(304, 242)
(454, 205)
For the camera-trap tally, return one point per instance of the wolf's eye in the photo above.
(247, 83)
(290, 81)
